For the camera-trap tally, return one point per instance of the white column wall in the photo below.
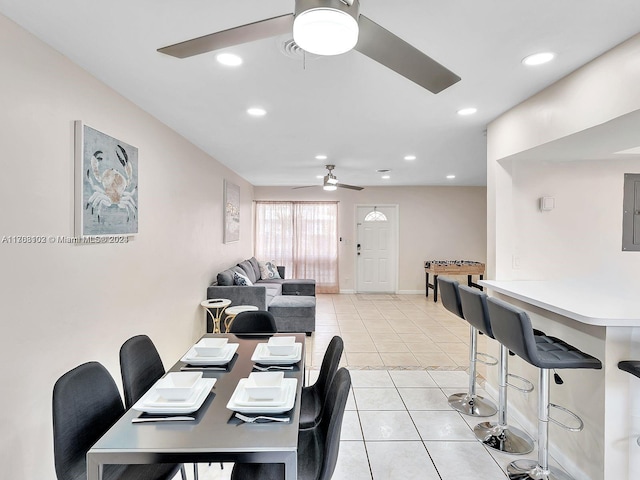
(581, 238)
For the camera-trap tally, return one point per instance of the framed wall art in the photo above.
(231, 212)
(106, 193)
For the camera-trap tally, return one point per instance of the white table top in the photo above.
(591, 301)
(240, 308)
(216, 303)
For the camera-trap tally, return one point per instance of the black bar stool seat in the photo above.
(630, 366)
(512, 327)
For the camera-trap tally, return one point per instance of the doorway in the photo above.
(376, 248)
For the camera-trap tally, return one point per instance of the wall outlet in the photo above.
(516, 261)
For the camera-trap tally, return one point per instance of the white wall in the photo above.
(63, 305)
(582, 236)
(440, 223)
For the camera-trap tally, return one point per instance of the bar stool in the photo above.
(497, 435)
(632, 367)
(467, 403)
(512, 327)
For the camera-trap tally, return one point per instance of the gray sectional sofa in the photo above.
(292, 302)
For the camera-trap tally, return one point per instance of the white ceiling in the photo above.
(361, 114)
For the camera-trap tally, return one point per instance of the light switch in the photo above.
(547, 204)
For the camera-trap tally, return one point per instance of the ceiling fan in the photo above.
(330, 27)
(331, 182)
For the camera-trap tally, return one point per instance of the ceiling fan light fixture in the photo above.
(324, 29)
(330, 188)
(229, 59)
(332, 181)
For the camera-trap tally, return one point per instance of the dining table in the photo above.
(216, 434)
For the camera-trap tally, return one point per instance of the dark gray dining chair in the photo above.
(314, 396)
(317, 447)
(86, 403)
(255, 321)
(141, 367)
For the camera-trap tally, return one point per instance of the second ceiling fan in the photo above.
(331, 182)
(330, 27)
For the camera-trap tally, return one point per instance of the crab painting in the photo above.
(111, 187)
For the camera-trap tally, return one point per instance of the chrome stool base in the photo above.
(530, 470)
(504, 438)
(476, 406)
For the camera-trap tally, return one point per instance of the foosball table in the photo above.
(451, 267)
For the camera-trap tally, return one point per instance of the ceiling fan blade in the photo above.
(391, 51)
(306, 186)
(352, 187)
(229, 38)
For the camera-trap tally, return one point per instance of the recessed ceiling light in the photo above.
(229, 59)
(321, 157)
(319, 176)
(467, 111)
(256, 111)
(450, 177)
(410, 157)
(386, 177)
(538, 58)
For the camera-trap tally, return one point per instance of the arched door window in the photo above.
(375, 216)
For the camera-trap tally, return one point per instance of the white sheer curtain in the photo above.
(302, 236)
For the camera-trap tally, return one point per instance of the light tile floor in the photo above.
(406, 355)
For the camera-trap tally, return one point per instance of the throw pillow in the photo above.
(239, 279)
(268, 270)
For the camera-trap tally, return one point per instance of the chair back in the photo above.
(474, 309)
(86, 403)
(329, 367)
(450, 295)
(140, 366)
(512, 327)
(331, 423)
(256, 321)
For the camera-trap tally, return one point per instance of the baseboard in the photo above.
(400, 292)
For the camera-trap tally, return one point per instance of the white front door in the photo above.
(376, 248)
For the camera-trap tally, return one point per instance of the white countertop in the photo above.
(589, 301)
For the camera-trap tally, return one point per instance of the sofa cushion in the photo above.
(242, 280)
(299, 287)
(294, 313)
(256, 267)
(274, 290)
(225, 278)
(248, 270)
(268, 270)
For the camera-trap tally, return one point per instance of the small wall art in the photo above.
(106, 194)
(231, 212)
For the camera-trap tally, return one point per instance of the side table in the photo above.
(215, 307)
(233, 311)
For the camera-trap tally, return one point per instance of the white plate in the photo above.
(262, 355)
(192, 357)
(151, 402)
(238, 402)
